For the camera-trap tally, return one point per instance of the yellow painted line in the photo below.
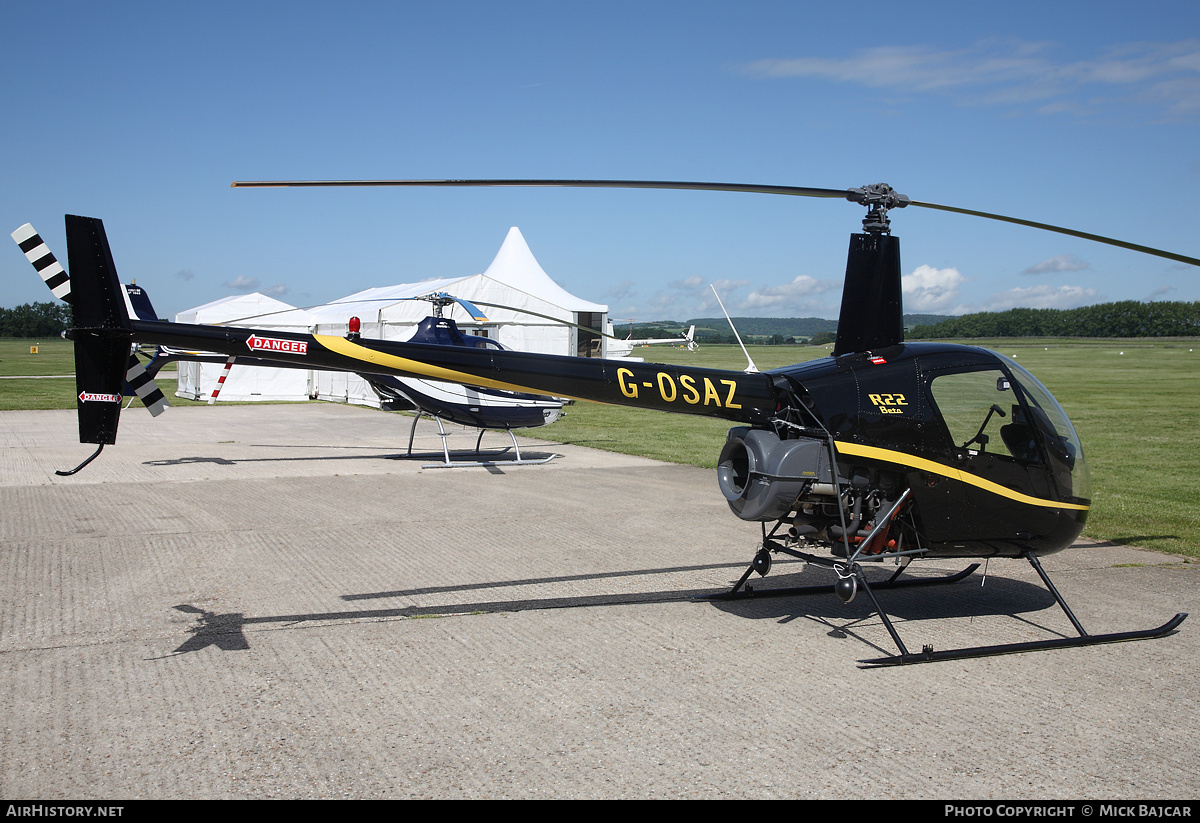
(346, 348)
(952, 473)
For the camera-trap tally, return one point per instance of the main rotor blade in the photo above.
(753, 188)
(858, 195)
(1060, 230)
(548, 317)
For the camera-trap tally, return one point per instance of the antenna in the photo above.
(751, 368)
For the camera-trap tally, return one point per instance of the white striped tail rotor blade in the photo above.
(145, 387)
(44, 261)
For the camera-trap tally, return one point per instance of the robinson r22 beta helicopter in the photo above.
(885, 450)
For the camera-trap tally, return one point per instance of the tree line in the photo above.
(1128, 318)
(35, 320)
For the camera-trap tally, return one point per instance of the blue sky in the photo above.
(1076, 114)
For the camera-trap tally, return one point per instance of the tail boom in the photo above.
(731, 395)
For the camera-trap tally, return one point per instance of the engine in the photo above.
(762, 476)
(767, 478)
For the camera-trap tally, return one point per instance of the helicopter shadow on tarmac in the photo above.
(974, 596)
(967, 599)
(977, 596)
(493, 459)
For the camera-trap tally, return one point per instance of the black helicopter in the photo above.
(884, 451)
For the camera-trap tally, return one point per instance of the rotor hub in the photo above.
(878, 198)
(439, 300)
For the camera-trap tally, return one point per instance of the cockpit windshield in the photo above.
(481, 342)
(1057, 433)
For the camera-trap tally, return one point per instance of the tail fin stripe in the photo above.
(43, 260)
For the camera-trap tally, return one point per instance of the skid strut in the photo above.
(851, 578)
(447, 463)
(1083, 639)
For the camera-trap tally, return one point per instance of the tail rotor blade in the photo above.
(145, 387)
(43, 260)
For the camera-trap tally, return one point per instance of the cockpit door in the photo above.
(991, 436)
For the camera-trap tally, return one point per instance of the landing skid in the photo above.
(447, 463)
(851, 578)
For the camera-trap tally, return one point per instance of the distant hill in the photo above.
(754, 327)
(911, 321)
(757, 329)
(1128, 318)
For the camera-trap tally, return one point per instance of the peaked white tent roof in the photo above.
(514, 265)
(254, 309)
(539, 320)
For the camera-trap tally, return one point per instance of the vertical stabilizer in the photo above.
(100, 330)
(872, 315)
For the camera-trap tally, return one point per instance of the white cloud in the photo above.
(1063, 262)
(242, 283)
(621, 291)
(680, 300)
(1036, 297)
(666, 306)
(931, 290)
(693, 297)
(688, 283)
(800, 296)
(915, 68)
(1166, 75)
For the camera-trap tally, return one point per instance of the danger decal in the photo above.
(274, 344)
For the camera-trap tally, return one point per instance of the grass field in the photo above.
(54, 357)
(1136, 404)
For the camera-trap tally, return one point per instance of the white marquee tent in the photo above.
(197, 380)
(514, 279)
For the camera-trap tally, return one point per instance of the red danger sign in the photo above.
(257, 343)
(97, 397)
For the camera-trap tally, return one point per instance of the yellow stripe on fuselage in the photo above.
(921, 463)
(349, 349)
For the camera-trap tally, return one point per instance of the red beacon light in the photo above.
(354, 327)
